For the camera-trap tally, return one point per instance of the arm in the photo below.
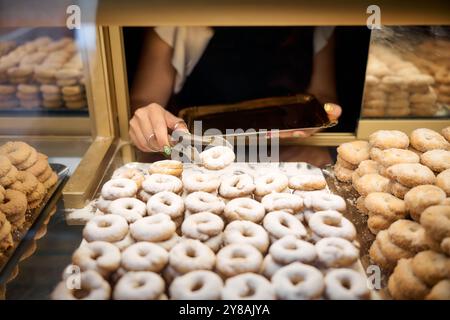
(151, 91)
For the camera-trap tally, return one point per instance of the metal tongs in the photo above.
(188, 146)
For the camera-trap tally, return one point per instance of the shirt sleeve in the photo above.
(188, 45)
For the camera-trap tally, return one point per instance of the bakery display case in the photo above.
(81, 119)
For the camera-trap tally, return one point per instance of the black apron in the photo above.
(243, 63)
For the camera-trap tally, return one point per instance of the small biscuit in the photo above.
(397, 112)
(424, 139)
(377, 223)
(397, 104)
(411, 174)
(421, 197)
(368, 112)
(50, 89)
(80, 104)
(28, 89)
(437, 160)
(345, 164)
(385, 139)
(372, 182)
(391, 156)
(354, 152)
(52, 96)
(73, 90)
(66, 82)
(411, 286)
(375, 104)
(342, 174)
(7, 89)
(398, 190)
(375, 154)
(386, 205)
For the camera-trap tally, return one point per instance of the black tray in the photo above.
(34, 218)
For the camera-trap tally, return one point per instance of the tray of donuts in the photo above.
(27, 184)
(399, 186)
(169, 230)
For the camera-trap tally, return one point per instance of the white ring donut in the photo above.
(102, 204)
(119, 188)
(125, 242)
(280, 224)
(217, 158)
(324, 201)
(131, 209)
(291, 249)
(201, 201)
(198, 181)
(282, 201)
(269, 266)
(93, 287)
(331, 223)
(196, 285)
(248, 286)
(139, 285)
(238, 258)
(202, 226)
(158, 182)
(215, 243)
(237, 186)
(144, 256)
(169, 243)
(346, 284)
(189, 255)
(166, 202)
(129, 173)
(270, 182)
(335, 252)
(247, 232)
(298, 281)
(244, 209)
(99, 256)
(109, 228)
(158, 227)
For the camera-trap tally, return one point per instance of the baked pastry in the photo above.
(421, 197)
(386, 139)
(424, 139)
(383, 209)
(436, 221)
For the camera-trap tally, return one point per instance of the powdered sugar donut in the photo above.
(270, 182)
(162, 182)
(99, 256)
(139, 285)
(155, 228)
(217, 158)
(166, 202)
(244, 209)
(197, 285)
(287, 287)
(119, 188)
(215, 243)
(307, 182)
(291, 249)
(144, 256)
(282, 201)
(331, 223)
(131, 209)
(102, 204)
(237, 186)
(189, 255)
(129, 173)
(171, 167)
(110, 228)
(326, 201)
(346, 284)
(280, 224)
(247, 232)
(238, 258)
(248, 286)
(335, 252)
(270, 266)
(202, 226)
(201, 201)
(198, 181)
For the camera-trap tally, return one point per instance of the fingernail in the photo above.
(328, 107)
(167, 150)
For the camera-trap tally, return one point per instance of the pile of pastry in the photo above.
(214, 232)
(404, 187)
(395, 87)
(42, 73)
(25, 178)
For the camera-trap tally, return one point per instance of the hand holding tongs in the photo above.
(187, 145)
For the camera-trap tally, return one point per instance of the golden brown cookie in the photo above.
(354, 152)
(408, 235)
(9, 178)
(421, 197)
(377, 223)
(443, 181)
(15, 204)
(436, 221)
(411, 286)
(385, 204)
(342, 174)
(424, 139)
(431, 267)
(372, 182)
(437, 160)
(16, 151)
(440, 291)
(411, 174)
(345, 164)
(389, 157)
(398, 190)
(375, 154)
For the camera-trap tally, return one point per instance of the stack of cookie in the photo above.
(350, 155)
(8, 98)
(396, 88)
(29, 96)
(74, 96)
(51, 96)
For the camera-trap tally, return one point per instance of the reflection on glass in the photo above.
(408, 73)
(40, 69)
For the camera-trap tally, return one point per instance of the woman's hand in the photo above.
(150, 125)
(333, 111)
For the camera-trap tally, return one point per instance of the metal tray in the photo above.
(34, 218)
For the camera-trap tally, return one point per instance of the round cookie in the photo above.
(443, 181)
(385, 204)
(421, 197)
(391, 156)
(372, 182)
(354, 152)
(424, 139)
(343, 174)
(411, 174)
(386, 139)
(437, 160)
